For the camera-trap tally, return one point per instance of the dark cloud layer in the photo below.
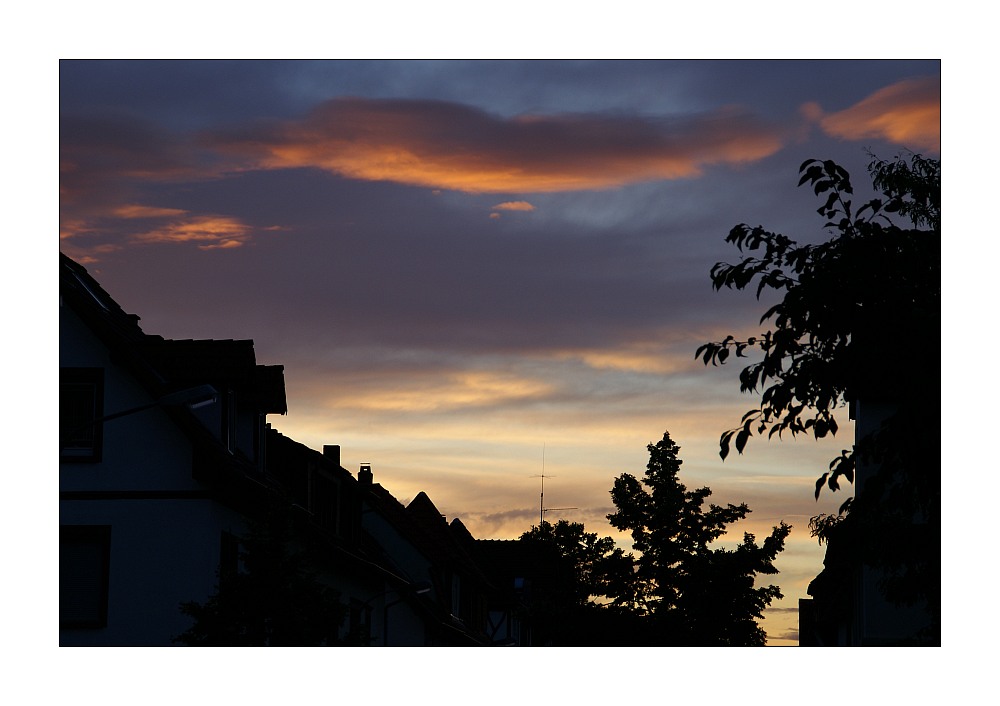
(452, 146)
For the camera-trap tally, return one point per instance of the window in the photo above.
(81, 406)
(84, 563)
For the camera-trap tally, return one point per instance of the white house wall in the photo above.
(165, 540)
(163, 552)
(141, 451)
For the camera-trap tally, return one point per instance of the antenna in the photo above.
(541, 497)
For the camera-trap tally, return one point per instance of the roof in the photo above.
(147, 359)
(166, 365)
(79, 288)
(285, 455)
(224, 363)
(424, 525)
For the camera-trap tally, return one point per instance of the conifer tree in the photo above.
(690, 592)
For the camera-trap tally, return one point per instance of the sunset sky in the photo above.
(476, 271)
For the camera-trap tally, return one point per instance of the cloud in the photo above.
(907, 113)
(107, 161)
(635, 358)
(105, 153)
(208, 232)
(444, 145)
(457, 390)
(139, 211)
(791, 634)
(514, 206)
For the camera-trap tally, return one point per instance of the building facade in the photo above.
(167, 466)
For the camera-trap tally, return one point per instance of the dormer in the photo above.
(247, 392)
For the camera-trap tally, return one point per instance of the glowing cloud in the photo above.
(454, 391)
(72, 227)
(635, 358)
(514, 206)
(446, 145)
(208, 232)
(138, 211)
(907, 113)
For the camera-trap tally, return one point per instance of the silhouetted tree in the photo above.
(590, 562)
(859, 322)
(274, 599)
(689, 592)
(570, 602)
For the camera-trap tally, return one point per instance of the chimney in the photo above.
(365, 476)
(332, 452)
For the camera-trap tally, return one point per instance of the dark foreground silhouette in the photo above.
(858, 327)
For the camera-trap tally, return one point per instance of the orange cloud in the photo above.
(72, 227)
(445, 145)
(138, 211)
(907, 113)
(514, 206)
(639, 359)
(208, 232)
(458, 390)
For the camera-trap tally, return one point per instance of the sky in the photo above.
(478, 272)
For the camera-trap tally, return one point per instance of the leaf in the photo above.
(831, 199)
(811, 174)
(820, 186)
(769, 313)
(741, 440)
(724, 443)
(819, 484)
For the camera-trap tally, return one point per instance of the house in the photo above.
(380, 559)
(515, 568)
(161, 453)
(418, 539)
(895, 550)
(168, 463)
(848, 605)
